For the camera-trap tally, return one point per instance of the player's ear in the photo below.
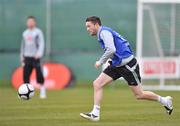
(96, 25)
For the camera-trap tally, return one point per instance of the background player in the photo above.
(123, 64)
(32, 50)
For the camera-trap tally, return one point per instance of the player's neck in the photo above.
(98, 29)
(31, 28)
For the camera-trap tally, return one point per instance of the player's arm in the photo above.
(109, 47)
(22, 52)
(40, 50)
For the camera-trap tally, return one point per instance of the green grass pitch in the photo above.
(62, 108)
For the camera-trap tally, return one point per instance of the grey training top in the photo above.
(32, 43)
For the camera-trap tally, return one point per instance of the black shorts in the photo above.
(130, 72)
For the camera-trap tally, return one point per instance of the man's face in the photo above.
(91, 28)
(31, 23)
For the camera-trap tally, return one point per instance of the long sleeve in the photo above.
(40, 50)
(109, 46)
(22, 50)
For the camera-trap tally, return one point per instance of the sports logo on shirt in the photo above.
(29, 38)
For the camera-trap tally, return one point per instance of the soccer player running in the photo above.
(32, 50)
(123, 64)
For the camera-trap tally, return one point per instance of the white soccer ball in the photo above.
(26, 91)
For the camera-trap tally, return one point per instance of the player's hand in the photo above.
(22, 63)
(97, 64)
(37, 57)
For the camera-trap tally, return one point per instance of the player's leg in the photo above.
(132, 76)
(27, 70)
(98, 85)
(148, 95)
(140, 94)
(40, 79)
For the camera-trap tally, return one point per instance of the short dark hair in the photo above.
(31, 17)
(94, 19)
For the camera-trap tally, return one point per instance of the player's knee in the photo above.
(139, 96)
(96, 84)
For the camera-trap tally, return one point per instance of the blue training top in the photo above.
(122, 46)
